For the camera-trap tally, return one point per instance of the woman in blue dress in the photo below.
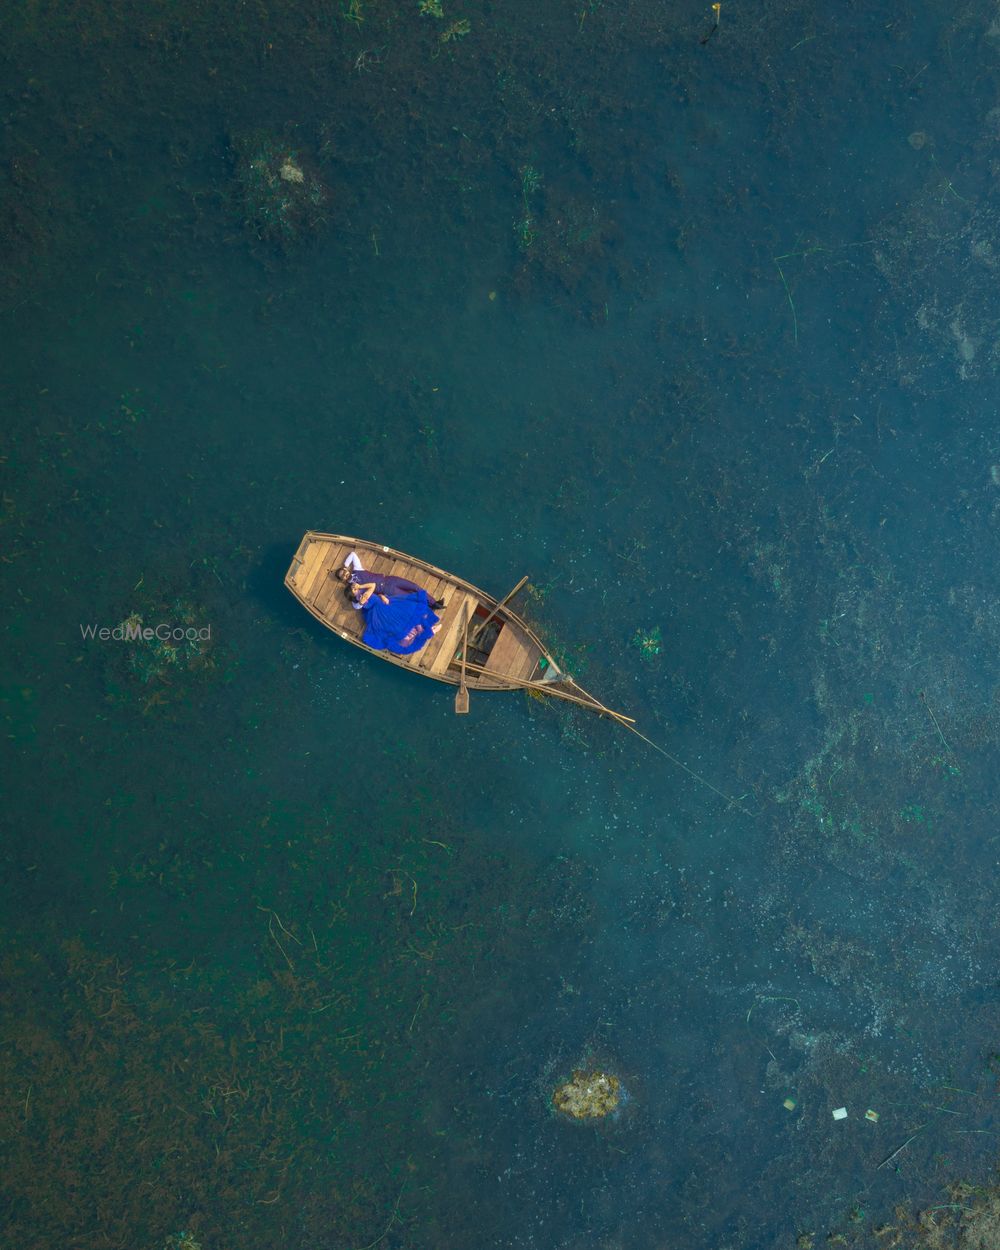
(402, 625)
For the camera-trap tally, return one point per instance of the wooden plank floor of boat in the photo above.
(513, 655)
(316, 581)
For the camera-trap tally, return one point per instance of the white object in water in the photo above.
(840, 1113)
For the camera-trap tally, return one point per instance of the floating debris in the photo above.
(280, 196)
(588, 1095)
(840, 1113)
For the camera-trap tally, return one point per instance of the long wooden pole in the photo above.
(588, 700)
(551, 688)
(506, 599)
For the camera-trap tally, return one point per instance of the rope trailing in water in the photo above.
(626, 723)
(583, 698)
(690, 771)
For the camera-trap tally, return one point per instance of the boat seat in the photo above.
(440, 651)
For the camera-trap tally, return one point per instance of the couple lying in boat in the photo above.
(399, 614)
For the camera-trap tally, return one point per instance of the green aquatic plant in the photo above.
(430, 8)
(588, 9)
(531, 180)
(648, 642)
(457, 30)
(525, 231)
(166, 643)
(181, 1241)
(524, 227)
(571, 659)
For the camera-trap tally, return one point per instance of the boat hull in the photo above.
(510, 656)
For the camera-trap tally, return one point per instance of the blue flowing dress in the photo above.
(401, 625)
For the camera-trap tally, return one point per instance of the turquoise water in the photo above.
(699, 335)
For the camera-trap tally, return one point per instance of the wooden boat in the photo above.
(482, 643)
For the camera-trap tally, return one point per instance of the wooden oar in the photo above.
(506, 599)
(462, 698)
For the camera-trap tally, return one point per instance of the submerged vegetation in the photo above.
(171, 1093)
(160, 653)
(587, 1095)
(280, 196)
